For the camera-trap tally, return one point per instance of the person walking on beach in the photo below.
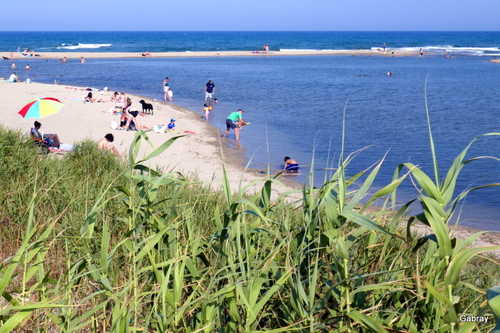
(209, 90)
(166, 88)
(383, 46)
(103, 144)
(235, 121)
(421, 53)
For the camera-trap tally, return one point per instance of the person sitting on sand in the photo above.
(290, 164)
(13, 77)
(115, 97)
(52, 140)
(122, 98)
(89, 98)
(171, 125)
(103, 144)
(146, 54)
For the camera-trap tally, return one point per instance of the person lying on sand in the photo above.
(103, 144)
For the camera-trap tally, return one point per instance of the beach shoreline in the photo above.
(199, 154)
(188, 54)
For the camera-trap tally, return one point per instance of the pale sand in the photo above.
(89, 55)
(196, 154)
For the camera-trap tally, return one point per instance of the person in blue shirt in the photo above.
(209, 90)
(171, 125)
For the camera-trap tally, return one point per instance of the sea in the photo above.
(299, 106)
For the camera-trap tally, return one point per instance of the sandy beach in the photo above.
(197, 154)
(257, 53)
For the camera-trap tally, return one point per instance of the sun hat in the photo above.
(172, 119)
(240, 110)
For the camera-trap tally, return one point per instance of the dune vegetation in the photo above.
(91, 243)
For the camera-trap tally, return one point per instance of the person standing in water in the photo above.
(234, 121)
(166, 88)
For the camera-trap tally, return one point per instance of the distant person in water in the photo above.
(28, 67)
(83, 60)
(389, 74)
(63, 60)
(421, 53)
(209, 90)
(290, 164)
(166, 88)
(103, 144)
(13, 66)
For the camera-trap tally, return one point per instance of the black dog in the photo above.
(146, 107)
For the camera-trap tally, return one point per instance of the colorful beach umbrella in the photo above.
(41, 107)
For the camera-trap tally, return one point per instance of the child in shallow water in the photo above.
(290, 164)
(206, 109)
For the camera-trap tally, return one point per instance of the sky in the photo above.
(250, 15)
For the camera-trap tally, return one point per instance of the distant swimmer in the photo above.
(28, 67)
(383, 46)
(63, 60)
(421, 53)
(389, 74)
(83, 60)
(13, 66)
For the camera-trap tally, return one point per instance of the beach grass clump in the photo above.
(135, 249)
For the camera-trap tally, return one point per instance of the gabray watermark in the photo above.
(476, 319)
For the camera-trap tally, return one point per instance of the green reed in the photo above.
(133, 249)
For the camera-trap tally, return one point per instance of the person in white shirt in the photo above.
(13, 77)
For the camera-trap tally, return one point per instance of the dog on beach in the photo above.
(146, 107)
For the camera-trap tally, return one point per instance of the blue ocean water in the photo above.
(471, 43)
(296, 104)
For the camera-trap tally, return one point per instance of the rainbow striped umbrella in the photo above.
(41, 107)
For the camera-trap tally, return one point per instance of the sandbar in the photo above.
(95, 55)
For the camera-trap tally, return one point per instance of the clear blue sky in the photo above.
(249, 15)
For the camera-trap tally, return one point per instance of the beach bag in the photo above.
(114, 124)
(159, 129)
